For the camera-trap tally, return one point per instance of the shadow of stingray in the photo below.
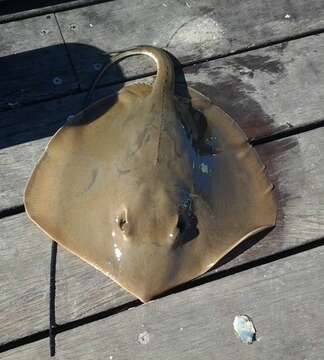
(22, 82)
(17, 8)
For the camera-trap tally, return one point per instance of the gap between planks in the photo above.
(182, 65)
(78, 90)
(302, 22)
(254, 142)
(200, 30)
(269, 82)
(278, 296)
(60, 328)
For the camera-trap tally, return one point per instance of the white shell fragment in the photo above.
(244, 329)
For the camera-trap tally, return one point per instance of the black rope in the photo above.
(52, 320)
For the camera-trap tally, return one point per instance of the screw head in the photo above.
(97, 66)
(57, 81)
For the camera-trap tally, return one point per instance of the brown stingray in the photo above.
(148, 187)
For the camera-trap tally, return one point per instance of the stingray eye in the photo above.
(182, 223)
(185, 214)
(187, 226)
(123, 223)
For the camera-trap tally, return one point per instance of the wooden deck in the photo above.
(261, 61)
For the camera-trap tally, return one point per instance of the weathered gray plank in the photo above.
(34, 64)
(295, 166)
(270, 89)
(265, 90)
(11, 10)
(24, 277)
(24, 282)
(191, 30)
(284, 299)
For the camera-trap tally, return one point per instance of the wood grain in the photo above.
(24, 278)
(294, 165)
(24, 282)
(265, 90)
(34, 64)
(283, 299)
(191, 30)
(270, 89)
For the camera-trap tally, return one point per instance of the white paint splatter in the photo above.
(143, 338)
(201, 30)
(97, 66)
(70, 117)
(13, 104)
(204, 168)
(57, 80)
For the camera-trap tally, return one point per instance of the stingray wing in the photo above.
(68, 194)
(234, 199)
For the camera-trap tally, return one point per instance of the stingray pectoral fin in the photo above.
(73, 174)
(222, 228)
(234, 198)
(220, 233)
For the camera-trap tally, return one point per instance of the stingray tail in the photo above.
(165, 70)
